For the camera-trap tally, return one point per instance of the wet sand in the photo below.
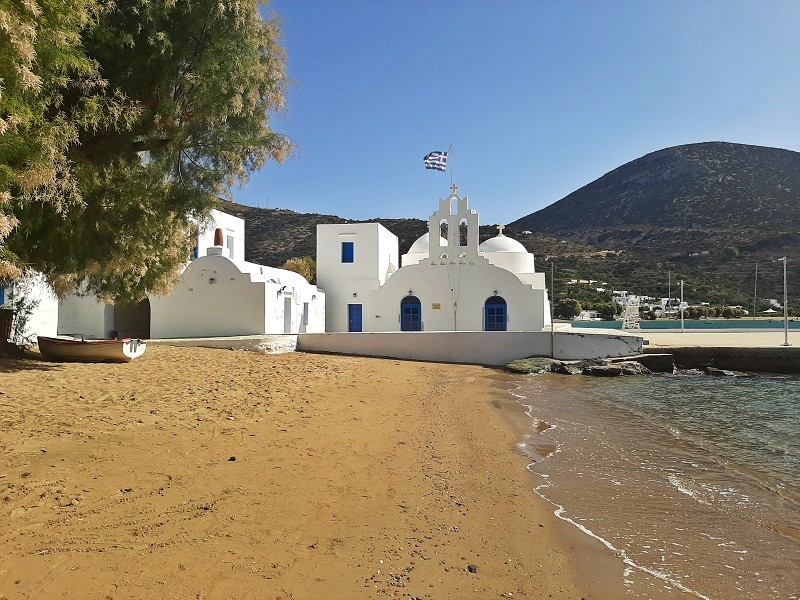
(199, 473)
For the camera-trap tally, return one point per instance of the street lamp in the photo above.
(785, 307)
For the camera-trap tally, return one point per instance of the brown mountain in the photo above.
(707, 211)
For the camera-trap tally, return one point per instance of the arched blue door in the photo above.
(410, 314)
(495, 314)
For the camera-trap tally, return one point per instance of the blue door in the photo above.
(410, 314)
(495, 314)
(353, 317)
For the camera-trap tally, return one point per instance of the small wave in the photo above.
(686, 488)
(626, 560)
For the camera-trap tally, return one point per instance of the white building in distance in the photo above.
(449, 284)
(219, 294)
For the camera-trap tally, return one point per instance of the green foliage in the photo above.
(566, 308)
(731, 251)
(607, 310)
(166, 108)
(305, 266)
(586, 294)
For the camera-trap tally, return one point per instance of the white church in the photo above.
(219, 294)
(446, 282)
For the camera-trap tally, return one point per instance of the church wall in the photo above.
(86, 316)
(452, 296)
(231, 227)
(348, 291)
(275, 306)
(388, 253)
(43, 318)
(477, 347)
(212, 298)
(537, 280)
(517, 262)
(471, 286)
(349, 283)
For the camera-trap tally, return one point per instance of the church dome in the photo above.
(422, 245)
(501, 243)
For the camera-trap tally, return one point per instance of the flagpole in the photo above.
(450, 162)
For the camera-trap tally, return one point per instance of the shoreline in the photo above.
(602, 569)
(238, 475)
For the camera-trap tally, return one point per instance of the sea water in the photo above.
(692, 479)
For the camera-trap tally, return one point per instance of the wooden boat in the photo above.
(74, 350)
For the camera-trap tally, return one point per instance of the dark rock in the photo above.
(232, 459)
(530, 365)
(472, 568)
(633, 367)
(603, 370)
(657, 362)
(565, 368)
(719, 372)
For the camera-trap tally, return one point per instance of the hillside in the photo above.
(275, 235)
(711, 209)
(713, 186)
(704, 212)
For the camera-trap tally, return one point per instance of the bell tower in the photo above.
(461, 226)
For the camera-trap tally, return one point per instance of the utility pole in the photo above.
(669, 296)
(552, 298)
(682, 324)
(755, 295)
(785, 307)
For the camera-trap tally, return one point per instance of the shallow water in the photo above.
(691, 478)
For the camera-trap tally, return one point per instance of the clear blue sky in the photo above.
(537, 98)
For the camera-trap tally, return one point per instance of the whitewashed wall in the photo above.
(231, 226)
(212, 298)
(461, 291)
(43, 319)
(375, 247)
(85, 315)
(452, 285)
(476, 347)
(218, 297)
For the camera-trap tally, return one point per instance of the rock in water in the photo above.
(719, 372)
(603, 370)
(566, 368)
(632, 367)
(530, 365)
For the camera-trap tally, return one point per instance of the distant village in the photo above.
(652, 308)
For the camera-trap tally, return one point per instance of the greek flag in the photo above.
(436, 160)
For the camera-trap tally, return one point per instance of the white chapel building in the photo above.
(447, 281)
(219, 294)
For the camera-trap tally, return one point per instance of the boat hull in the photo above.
(60, 349)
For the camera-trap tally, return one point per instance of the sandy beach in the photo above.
(732, 338)
(200, 473)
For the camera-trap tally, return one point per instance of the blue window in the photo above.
(353, 316)
(410, 314)
(2, 295)
(347, 252)
(495, 314)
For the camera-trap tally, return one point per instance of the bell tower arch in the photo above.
(454, 210)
